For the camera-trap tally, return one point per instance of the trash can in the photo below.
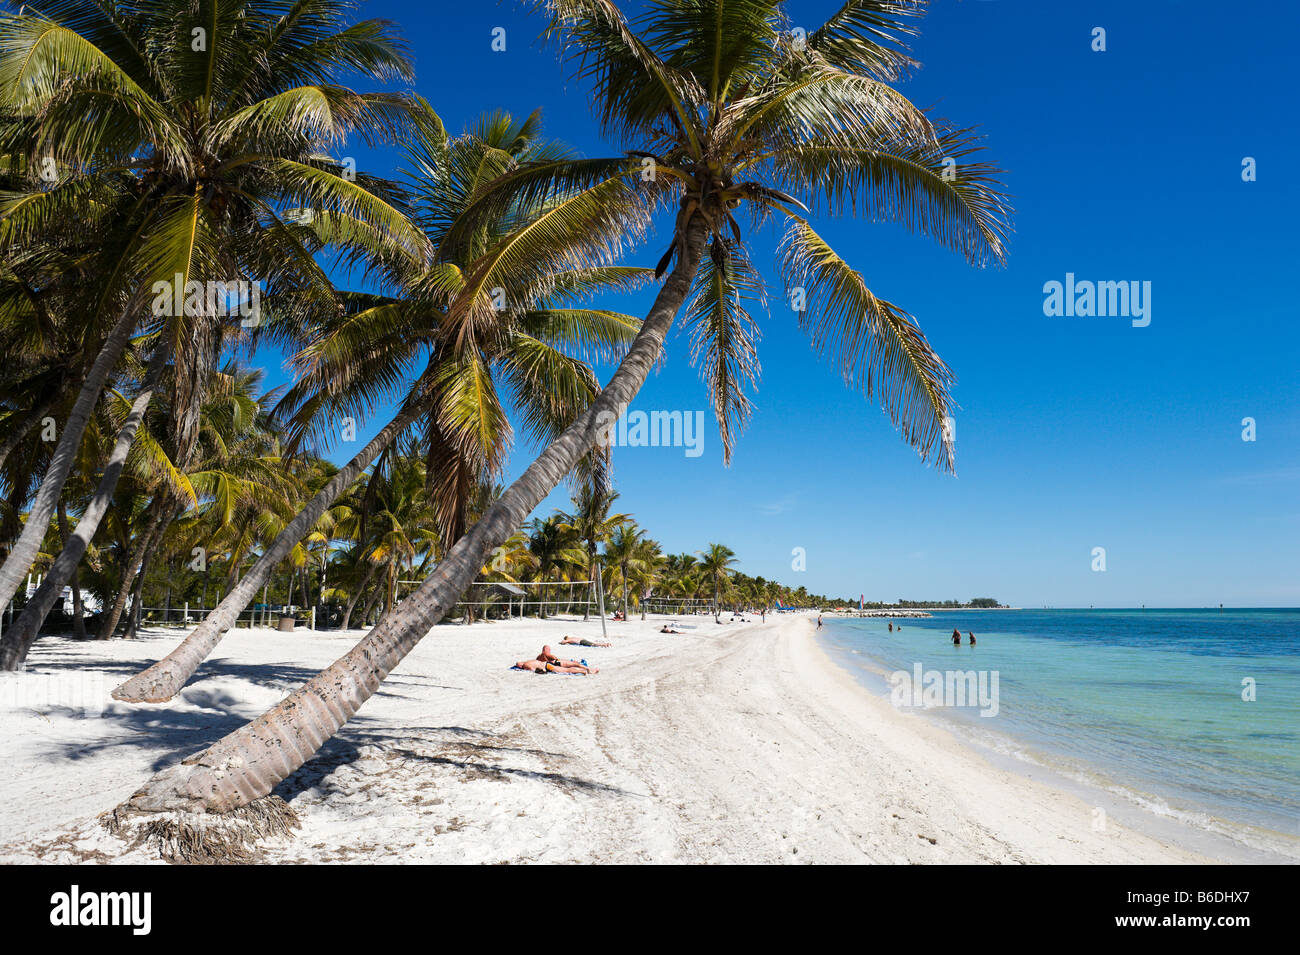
(286, 624)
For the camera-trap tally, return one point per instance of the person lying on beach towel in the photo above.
(546, 656)
(568, 641)
(571, 666)
(565, 666)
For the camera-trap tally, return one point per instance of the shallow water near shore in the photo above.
(1144, 706)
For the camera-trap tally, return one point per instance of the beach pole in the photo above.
(600, 596)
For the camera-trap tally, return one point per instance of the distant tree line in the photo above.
(975, 603)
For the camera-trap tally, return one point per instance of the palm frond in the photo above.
(724, 337)
(877, 346)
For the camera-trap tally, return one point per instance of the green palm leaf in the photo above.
(878, 348)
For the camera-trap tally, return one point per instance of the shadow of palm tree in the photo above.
(452, 746)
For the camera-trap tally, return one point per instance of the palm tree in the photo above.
(623, 554)
(771, 594)
(352, 361)
(202, 148)
(715, 568)
(556, 551)
(18, 639)
(681, 578)
(235, 478)
(647, 570)
(730, 110)
(592, 523)
(402, 524)
(222, 462)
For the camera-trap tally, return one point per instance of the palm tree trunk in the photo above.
(137, 591)
(78, 621)
(591, 587)
(19, 638)
(248, 763)
(28, 545)
(164, 679)
(138, 548)
(356, 595)
(373, 599)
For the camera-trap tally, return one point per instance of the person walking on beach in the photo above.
(956, 637)
(819, 621)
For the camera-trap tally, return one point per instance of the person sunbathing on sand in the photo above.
(571, 666)
(546, 656)
(569, 641)
(667, 629)
(564, 666)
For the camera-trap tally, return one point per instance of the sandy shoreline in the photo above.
(734, 743)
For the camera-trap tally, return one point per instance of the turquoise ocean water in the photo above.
(1145, 705)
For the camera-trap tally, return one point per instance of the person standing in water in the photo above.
(972, 637)
(891, 628)
(956, 637)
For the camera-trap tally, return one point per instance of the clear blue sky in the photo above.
(1072, 433)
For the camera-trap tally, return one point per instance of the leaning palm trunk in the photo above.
(376, 594)
(248, 763)
(78, 620)
(132, 567)
(28, 545)
(356, 595)
(165, 678)
(129, 572)
(137, 599)
(157, 531)
(19, 638)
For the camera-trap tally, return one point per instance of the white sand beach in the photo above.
(738, 743)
